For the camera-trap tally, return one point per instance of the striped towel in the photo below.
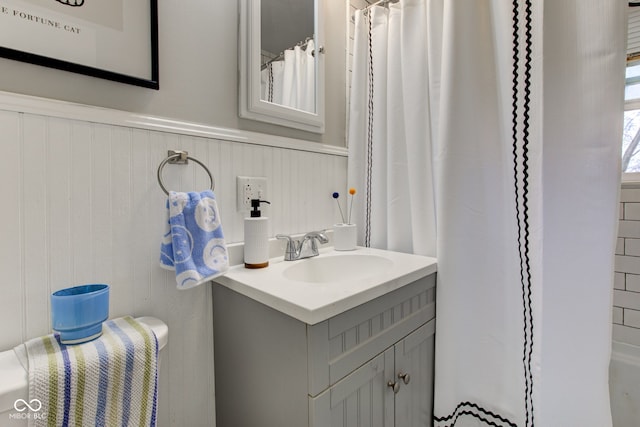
(110, 381)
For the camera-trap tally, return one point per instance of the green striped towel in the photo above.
(110, 381)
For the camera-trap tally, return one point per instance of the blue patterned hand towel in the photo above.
(193, 244)
(110, 381)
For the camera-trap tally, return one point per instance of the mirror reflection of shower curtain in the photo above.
(516, 110)
(291, 81)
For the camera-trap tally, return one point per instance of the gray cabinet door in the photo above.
(414, 356)
(362, 398)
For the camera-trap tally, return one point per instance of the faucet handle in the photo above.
(289, 239)
(320, 235)
(291, 250)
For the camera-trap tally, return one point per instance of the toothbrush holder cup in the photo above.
(344, 237)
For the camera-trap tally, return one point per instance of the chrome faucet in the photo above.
(304, 248)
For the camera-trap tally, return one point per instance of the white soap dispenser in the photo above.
(256, 237)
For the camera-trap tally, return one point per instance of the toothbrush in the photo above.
(335, 196)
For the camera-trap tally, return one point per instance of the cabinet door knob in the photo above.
(404, 377)
(394, 386)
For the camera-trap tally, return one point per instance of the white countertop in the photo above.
(315, 302)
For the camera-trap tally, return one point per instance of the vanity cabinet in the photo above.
(393, 389)
(371, 365)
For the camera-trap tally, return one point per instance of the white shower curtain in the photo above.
(390, 132)
(518, 127)
(291, 81)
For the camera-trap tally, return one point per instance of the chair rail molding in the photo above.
(68, 110)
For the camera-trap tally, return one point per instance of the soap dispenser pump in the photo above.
(256, 237)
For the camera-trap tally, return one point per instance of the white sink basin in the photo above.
(315, 289)
(337, 268)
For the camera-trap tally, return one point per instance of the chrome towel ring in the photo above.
(176, 157)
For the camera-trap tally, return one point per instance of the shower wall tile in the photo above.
(626, 293)
(627, 264)
(632, 282)
(631, 247)
(630, 195)
(626, 334)
(81, 204)
(632, 318)
(632, 211)
(621, 211)
(629, 229)
(625, 299)
(617, 315)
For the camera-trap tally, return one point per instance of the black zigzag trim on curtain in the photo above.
(521, 180)
(369, 160)
(270, 96)
(523, 221)
(522, 218)
(514, 136)
(476, 411)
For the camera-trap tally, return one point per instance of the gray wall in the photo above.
(198, 73)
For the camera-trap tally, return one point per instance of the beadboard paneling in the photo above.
(12, 285)
(81, 204)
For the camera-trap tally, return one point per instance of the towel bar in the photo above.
(180, 158)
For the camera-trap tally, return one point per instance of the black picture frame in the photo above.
(150, 81)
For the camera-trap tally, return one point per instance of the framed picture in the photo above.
(110, 39)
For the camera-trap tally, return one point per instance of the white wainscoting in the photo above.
(81, 204)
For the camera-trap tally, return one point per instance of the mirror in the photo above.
(281, 63)
(287, 53)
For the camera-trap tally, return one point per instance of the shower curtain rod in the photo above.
(380, 3)
(386, 2)
(301, 43)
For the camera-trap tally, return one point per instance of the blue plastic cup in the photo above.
(77, 313)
